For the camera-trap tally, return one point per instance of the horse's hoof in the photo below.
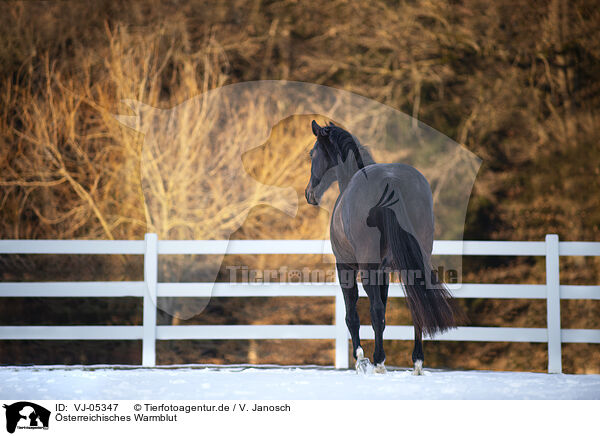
(418, 368)
(379, 368)
(364, 366)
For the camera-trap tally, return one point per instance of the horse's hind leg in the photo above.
(383, 291)
(373, 279)
(417, 355)
(347, 277)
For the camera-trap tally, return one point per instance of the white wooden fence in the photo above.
(149, 289)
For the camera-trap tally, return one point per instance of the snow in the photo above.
(263, 383)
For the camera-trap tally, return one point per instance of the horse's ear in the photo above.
(315, 128)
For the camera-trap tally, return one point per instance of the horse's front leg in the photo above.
(373, 280)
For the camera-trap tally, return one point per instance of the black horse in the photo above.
(382, 222)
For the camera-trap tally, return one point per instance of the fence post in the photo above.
(341, 332)
(553, 304)
(151, 279)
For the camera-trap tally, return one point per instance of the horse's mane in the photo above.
(346, 143)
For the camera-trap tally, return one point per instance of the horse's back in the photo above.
(403, 177)
(414, 208)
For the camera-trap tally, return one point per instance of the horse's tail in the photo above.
(432, 307)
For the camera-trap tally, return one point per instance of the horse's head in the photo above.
(322, 171)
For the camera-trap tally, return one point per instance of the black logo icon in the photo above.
(26, 415)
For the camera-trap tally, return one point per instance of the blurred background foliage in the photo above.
(516, 82)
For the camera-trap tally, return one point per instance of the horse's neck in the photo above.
(344, 177)
(345, 170)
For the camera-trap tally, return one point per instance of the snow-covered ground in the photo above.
(262, 383)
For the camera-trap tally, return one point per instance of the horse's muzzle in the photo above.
(310, 197)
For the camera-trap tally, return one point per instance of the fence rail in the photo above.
(149, 289)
